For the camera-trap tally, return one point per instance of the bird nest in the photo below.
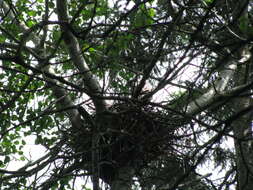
(126, 135)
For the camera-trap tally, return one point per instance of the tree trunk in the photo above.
(243, 147)
(123, 180)
(242, 129)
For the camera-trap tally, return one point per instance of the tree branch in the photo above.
(73, 47)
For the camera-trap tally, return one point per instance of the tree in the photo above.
(134, 94)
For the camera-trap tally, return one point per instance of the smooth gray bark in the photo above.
(243, 146)
(123, 180)
(243, 139)
(91, 84)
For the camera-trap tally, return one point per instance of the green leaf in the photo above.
(32, 13)
(30, 23)
(7, 159)
(2, 165)
(2, 38)
(91, 50)
(16, 142)
(243, 23)
(208, 1)
(151, 12)
(51, 4)
(245, 26)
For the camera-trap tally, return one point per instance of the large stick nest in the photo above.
(126, 135)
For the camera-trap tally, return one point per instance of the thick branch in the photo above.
(73, 47)
(215, 91)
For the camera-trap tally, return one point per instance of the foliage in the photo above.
(156, 87)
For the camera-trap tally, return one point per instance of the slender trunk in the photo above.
(242, 129)
(243, 147)
(123, 180)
